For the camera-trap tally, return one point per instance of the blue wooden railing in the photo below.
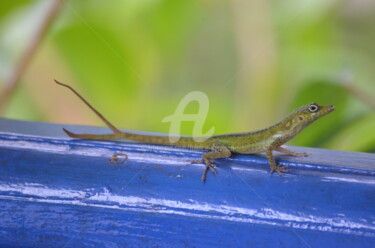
(60, 192)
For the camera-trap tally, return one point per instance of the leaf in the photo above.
(358, 136)
(10, 6)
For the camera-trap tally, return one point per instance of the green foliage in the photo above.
(136, 59)
(8, 6)
(358, 135)
(323, 93)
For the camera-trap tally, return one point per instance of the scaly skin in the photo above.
(222, 146)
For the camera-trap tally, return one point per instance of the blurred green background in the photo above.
(257, 60)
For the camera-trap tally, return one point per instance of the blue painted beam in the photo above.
(59, 192)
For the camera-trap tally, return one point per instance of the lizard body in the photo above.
(222, 146)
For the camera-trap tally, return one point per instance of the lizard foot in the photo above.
(209, 166)
(279, 169)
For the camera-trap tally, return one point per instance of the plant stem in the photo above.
(20, 68)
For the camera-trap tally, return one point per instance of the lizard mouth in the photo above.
(331, 108)
(324, 110)
(328, 109)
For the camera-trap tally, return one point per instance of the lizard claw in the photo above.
(279, 169)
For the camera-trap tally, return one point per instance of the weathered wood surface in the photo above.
(59, 192)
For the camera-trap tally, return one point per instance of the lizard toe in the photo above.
(212, 168)
(279, 169)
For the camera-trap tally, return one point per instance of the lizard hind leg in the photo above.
(217, 151)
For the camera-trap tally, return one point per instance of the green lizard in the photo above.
(222, 146)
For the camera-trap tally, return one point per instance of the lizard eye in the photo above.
(313, 107)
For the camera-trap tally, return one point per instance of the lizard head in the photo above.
(307, 114)
(313, 111)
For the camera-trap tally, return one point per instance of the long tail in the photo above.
(110, 136)
(116, 133)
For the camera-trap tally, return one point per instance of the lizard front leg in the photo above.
(217, 151)
(276, 146)
(274, 167)
(291, 153)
